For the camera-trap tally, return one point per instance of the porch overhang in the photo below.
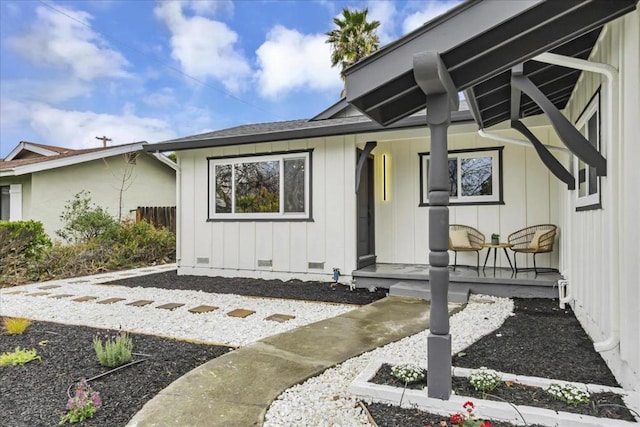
(479, 43)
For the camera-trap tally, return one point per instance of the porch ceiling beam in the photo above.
(368, 148)
(547, 158)
(568, 134)
(516, 93)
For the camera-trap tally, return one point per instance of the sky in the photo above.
(142, 70)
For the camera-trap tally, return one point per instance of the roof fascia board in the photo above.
(319, 132)
(22, 146)
(164, 159)
(332, 110)
(441, 35)
(73, 160)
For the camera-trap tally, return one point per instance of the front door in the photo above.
(366, 215)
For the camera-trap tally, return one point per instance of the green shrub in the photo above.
(115, 351)
(83, 220)
(19, 357)
(22, 245)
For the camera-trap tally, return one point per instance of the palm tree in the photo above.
(354, 38)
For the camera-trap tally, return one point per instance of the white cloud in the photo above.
(49, 91)
(289, 60)
(431, 10)
(78, 129)
(205, 48)
(211, 7)
(61, 42)
(385, 12)
(161, 98)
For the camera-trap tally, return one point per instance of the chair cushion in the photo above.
(535, 241)
(459, 239)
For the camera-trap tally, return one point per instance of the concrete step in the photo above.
(457, 294)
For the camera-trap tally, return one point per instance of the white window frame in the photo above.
(15, 202)
(589, 201)
(496, 179)
(281, 215)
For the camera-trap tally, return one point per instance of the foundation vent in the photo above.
(265, 263)
(201, 260)
(316, 265)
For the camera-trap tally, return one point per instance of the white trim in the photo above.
(164, 159)
(26, 146)
(72, 160)
(280, 158)
(15, 202)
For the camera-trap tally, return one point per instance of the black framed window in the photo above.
(475, 177)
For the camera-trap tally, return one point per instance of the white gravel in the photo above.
(323, 401)
(212, 327)
(319, 401)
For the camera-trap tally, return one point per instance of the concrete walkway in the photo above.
(237, 388)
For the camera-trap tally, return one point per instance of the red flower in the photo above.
(457, 419)
(468, 405)
(485, 424)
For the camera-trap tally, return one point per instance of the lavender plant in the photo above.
(83, 405)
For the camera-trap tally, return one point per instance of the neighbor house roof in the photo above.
(292, 129)
(479, 42)
(59, 157)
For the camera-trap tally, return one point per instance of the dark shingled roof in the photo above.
(292, 129)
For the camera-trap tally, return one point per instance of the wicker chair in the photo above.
(476, 239)
(523, 241)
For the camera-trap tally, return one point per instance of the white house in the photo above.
(36, 181)
(544, 81)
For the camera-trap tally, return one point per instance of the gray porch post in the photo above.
(442, 97)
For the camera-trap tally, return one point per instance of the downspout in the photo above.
(611, 75)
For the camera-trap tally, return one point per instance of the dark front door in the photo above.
(366, 215)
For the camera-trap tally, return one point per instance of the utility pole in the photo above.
(104, 140)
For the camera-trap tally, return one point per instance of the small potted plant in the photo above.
(495, 239)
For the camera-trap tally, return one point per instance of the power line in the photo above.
(159, 61)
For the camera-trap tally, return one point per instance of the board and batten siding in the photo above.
(530, 191)
(236, 248)
(601, 247)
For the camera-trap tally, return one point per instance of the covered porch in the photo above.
(413, 280)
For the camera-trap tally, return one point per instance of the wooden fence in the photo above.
(159, 216)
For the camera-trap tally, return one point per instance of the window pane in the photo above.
(476, 176)
(593, 140)
(4, 203)
(257, 187)
(453, 177)
(582, 182)
(223, 188)
(294, 185)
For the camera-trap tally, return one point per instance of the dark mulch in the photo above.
(35, 394)
(292, 289)
(540, 340)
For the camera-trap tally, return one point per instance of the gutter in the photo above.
(611, 75)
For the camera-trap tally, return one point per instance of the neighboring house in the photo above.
(342, 190)
(36, 181)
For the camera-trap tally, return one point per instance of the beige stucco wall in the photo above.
(151, 183)
(600, 251)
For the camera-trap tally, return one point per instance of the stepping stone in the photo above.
(79, 281)
(127, 274)
(202, 309)
(240, 312)
(60, 296)
(170, 306)
(86, 298)
(140, 303)
(280, 317)
(50, 287)
(16, 292)
(39, 294)
(110, 300)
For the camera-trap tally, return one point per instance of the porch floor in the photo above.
(413, 280)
